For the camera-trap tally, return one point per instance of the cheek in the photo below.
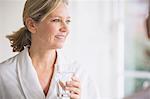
(52, 28)
(48, 30)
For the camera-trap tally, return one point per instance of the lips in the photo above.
(60, 36)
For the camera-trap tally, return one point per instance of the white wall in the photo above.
(10, 20)
(93, 39)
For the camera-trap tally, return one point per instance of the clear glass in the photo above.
(62, 78)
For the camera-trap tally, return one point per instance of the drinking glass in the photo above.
(62, 78)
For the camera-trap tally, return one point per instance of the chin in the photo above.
(59, 46)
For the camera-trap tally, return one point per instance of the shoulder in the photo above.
(68, 62)
(7, 65)
(73, 64)
(8, 62)
(11, 61)
(89, 85)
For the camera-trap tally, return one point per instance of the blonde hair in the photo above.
(38, 10)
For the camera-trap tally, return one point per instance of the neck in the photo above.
(42, 59)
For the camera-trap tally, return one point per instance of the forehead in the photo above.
(61, 11)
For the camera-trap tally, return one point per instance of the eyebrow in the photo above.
(52, 16)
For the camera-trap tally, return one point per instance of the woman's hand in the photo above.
(74, 87)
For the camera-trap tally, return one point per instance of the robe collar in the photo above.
(28, 78)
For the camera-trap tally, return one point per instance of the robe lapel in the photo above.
(52, 93)
(28, 77)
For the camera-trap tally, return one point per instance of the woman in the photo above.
(31, 73)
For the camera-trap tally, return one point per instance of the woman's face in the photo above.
(53, 30)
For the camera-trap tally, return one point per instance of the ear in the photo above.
(31, 25)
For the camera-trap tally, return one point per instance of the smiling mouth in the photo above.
(60, 36)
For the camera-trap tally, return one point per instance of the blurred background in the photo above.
(107, 36)
(137, 46)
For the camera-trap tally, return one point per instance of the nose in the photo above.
(64, 27)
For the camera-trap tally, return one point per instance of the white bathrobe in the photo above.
(19, 80)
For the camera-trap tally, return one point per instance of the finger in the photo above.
(73, 83)
(74, 78)
(73, 90)
(62, 84)
(74, 96)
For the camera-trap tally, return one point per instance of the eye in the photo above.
(56, 20)
(68, 21)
